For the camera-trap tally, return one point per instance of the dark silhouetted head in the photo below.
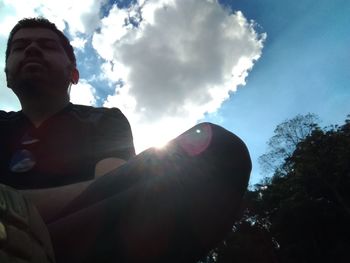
(41, 22)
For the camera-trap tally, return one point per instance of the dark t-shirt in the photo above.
(64, 149)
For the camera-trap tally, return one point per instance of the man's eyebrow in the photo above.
(21, 40)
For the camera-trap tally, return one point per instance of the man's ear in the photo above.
(75, 76)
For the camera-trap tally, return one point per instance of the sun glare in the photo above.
(144, 142)
(161, 145)
(157, 135)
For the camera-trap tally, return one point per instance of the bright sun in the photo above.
(156, 134)
(144, 141)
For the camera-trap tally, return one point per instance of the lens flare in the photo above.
(196, 140)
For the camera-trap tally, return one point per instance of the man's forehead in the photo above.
(34, 33)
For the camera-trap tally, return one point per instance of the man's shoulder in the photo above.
(95, 113)
(9, 116)
(92, 109)
(8, 122)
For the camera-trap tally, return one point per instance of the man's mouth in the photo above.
(32, 61)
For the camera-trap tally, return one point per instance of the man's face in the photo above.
(37, 59)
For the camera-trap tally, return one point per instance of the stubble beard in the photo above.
(37, 84)
(25, 84)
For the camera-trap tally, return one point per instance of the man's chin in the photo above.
(32, 75)
(32, 68)
(27, 85)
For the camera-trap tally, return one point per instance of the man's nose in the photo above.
(33, 49)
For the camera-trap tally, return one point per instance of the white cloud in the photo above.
(113, 28)
(84, 18)
(183, 61)
(78, 43)
(83, 93)
(148, 10)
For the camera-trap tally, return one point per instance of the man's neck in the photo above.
(39, 110)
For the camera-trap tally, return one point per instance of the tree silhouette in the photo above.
(282, 144)
(302, 213)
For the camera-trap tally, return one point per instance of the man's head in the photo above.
(42, 23)
(38, 54)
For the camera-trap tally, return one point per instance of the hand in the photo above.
(23, 234)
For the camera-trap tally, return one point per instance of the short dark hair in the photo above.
(43, 23)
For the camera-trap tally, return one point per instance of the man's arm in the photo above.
(51, 201)
(106, 165)
(113, 137)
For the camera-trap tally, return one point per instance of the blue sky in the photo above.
(296, 61)
(305, 67)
